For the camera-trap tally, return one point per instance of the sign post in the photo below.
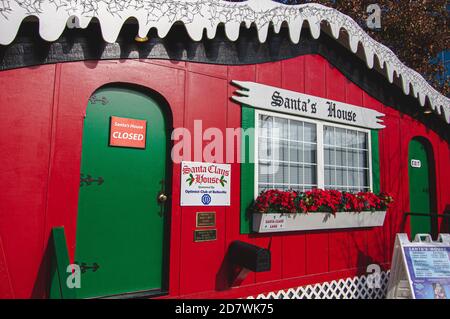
(420, 269)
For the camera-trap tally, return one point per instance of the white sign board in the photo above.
(272, 222)
(416, 163)
(205, 184)
(420, 269)
(279, 100)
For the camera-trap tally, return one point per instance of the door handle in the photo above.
(162, 198)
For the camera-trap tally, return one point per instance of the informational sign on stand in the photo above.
(420, 269)
(205, 184)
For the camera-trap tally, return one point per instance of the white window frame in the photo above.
(320, 167)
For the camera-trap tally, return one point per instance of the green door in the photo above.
(120, 229)
(419, 188)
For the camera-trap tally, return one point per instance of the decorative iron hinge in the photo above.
(87, 180)
(94, 99)
(85, 267)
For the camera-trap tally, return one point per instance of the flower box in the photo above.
(268, 223)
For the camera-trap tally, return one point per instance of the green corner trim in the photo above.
(60, 261)
(375, 161)
(247, 170)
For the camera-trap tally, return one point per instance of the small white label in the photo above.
(416, 163)
(274, 222)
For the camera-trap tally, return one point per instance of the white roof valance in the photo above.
(200, 15)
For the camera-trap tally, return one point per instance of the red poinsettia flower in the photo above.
(318, 200)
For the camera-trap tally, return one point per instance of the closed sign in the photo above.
(127, 132)
(416, 163)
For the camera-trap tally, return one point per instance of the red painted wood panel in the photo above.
(25, 109)
(443, 189)
(240, 73)
(391, 181)
(317, 250)
(375, 237)
(6, 291)
(205, 100)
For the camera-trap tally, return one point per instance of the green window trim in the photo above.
(248, 169)
(375, 145)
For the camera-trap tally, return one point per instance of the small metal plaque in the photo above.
(206, 219)
(205, 235)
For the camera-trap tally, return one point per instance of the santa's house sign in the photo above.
(284, 101)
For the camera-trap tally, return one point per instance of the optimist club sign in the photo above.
(127, 132)
(205, 184)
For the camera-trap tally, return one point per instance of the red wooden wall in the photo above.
(42, 110)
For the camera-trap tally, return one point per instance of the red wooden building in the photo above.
(67, 72)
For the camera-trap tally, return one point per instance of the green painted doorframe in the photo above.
(421, 186)
(122, 229)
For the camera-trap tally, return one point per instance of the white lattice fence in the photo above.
(349, 288)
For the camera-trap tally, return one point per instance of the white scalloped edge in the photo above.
(200, 15)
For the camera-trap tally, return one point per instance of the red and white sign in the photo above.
(126, 132)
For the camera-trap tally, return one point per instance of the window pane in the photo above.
(329, 156)
(329, 136)
(309, 153)
(352, 138)
(309, 132)
(352, 158)
(349, 161)
(284, 147)
(295, 131)
(309, 175)
(340, 177)
(280, 172)
(339, 136)
(265, 172)
(295, 174)
(280, 150)
(362, 159)
(363, 178)
(330, 177)
(280, 128)
(341, 159)
(265, 126)
(264, 148)
(362, 141)
(352, 177)
(295, 152)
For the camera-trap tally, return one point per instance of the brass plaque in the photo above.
(206, 219)
(205, 235)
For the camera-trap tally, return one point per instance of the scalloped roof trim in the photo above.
(201, 15)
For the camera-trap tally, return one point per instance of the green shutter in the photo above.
(247, 171)
(375, 161)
